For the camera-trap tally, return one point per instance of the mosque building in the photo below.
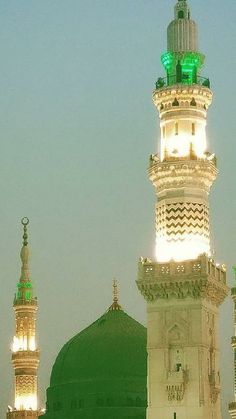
(116, 368)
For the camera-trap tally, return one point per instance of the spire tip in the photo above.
(25, 222)
(115, 305)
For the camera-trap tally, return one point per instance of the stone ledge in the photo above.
(23, 414)
(180, 172)
(199, 278)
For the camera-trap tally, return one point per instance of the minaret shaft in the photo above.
(183, 174)
(25, 357)
(183, 287)
(185, 171)
(25, 354)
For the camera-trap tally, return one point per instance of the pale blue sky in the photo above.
(77, 127)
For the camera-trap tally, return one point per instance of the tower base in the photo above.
(183, 300)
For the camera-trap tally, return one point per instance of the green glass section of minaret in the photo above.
(24, 294)
(182, 67)
(183, 63)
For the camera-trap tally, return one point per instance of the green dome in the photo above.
(101, 372)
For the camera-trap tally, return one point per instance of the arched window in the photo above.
(180, 14)
(193, 102)
(175, 102)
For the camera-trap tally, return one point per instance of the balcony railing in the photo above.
(23, 302)
(154, 159)
(21, 354)
(185, 79)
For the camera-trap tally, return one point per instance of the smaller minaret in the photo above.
(232, 406)
(25, 355)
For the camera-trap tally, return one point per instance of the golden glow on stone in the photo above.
(188, 247)
(23, 343)
(179, 145)
(19, 344)
(182, 177)
(26, 402)
(32, 344)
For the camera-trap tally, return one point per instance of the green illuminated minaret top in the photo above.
(24, 293)
(182, 61)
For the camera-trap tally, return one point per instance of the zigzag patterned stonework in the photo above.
(25, 384)
(175, 220)
(182, 209)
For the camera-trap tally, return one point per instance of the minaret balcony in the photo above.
(154, 160)
(196, 98)
(175, 385)
(24, 302)
(198, 278)
(26, 360)
(185, 80)
(181, 172)
(26, 354)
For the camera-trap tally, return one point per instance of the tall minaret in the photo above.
(25, 355)
(183, 287)
(232, 406)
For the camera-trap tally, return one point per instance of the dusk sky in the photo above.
(77, 128)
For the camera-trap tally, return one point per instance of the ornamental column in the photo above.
(183, 286)
(25, 354)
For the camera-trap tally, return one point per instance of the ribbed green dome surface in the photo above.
(101, 372)
(113, 346)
